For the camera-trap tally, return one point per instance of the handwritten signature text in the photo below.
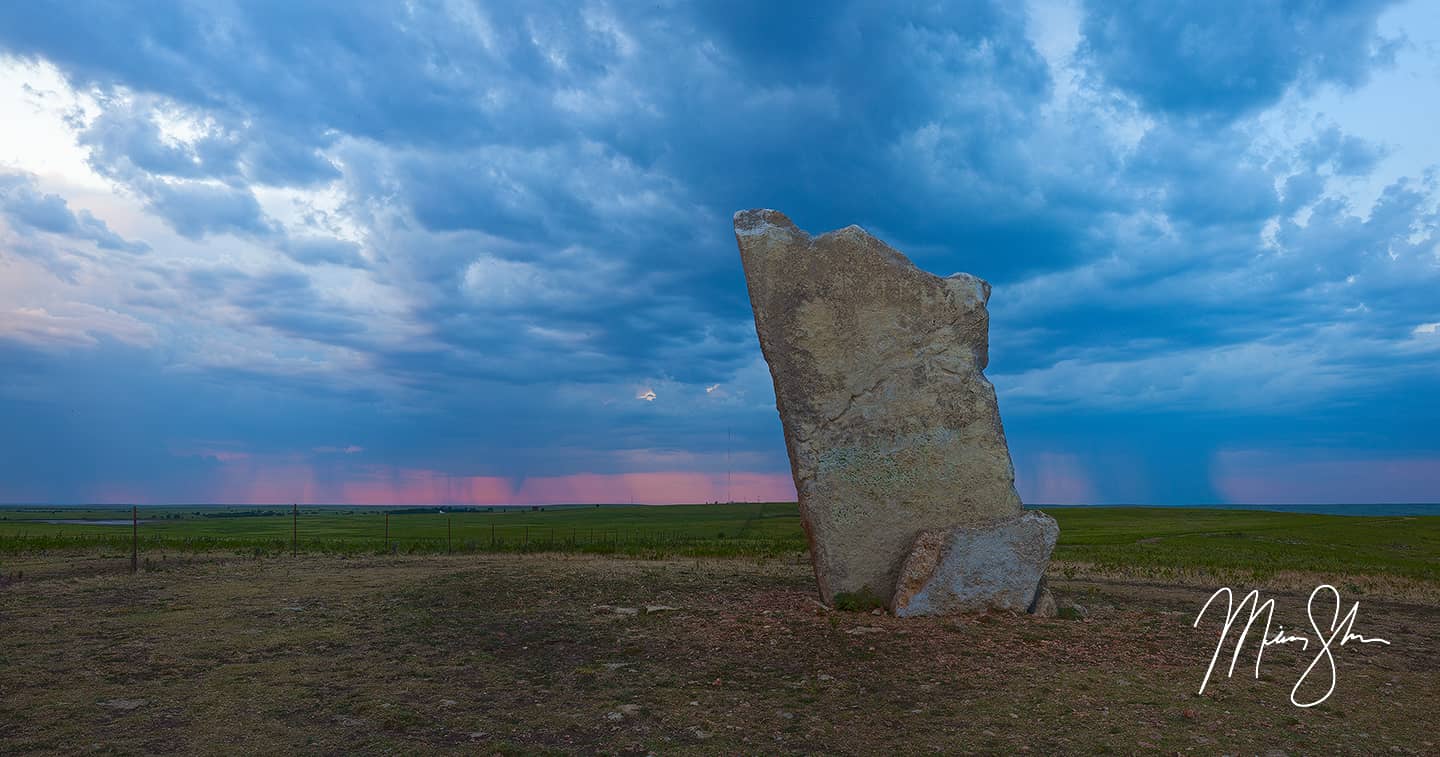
(1337, 634)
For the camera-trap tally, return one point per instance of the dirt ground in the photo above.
(546, 653)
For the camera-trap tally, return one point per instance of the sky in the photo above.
(481, 252)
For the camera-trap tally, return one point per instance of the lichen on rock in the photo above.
(967, 569)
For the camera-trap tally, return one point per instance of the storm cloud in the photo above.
(487, 246)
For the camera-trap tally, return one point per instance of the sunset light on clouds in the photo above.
(408, 254)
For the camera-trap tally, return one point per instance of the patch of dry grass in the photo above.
(1357, 586)
(514, 654)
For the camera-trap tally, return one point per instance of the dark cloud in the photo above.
(196, 210)
(526, 220)
(126, 139)
(1225, 59)
(314, 250)
(1344, 154)
(1204, 177)
(29, 209)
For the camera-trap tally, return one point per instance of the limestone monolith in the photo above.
(892, 428)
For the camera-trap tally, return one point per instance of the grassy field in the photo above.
(721, 530)
(522, 640)
(1397, 556)
(550, 653)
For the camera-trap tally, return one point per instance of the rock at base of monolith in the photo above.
(975, 569)
(1044, 605)
(891, 425)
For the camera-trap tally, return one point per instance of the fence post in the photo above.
(294, 530)
(387, 530)
(134, 538)
(449, 521)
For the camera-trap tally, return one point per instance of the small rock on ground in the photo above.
(1071, 611)
(122, 704)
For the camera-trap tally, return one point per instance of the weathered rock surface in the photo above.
(965, 569)
(1044, 605)
(891, 425)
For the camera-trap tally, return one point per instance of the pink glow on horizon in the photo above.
(252, 480)
(1268, 478)
(1055, 478)
(409, 486)
(658, 487)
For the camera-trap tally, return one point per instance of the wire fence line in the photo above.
(657, 542)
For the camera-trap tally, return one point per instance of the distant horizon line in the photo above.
(1198, 505)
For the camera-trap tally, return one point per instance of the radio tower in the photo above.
(729, 438)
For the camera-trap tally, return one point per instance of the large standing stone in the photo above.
(891, 426)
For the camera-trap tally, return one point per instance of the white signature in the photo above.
(1340, 628)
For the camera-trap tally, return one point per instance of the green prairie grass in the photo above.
(1159, 542)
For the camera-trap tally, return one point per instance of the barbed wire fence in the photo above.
(478, 533)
